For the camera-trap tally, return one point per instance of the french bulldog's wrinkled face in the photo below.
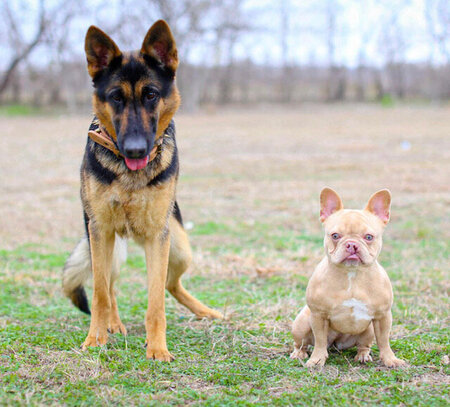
(354, 237)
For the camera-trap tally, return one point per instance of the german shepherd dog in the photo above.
(128, 186)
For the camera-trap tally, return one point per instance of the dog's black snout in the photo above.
(135, 148)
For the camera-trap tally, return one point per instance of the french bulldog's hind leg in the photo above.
(302, 332)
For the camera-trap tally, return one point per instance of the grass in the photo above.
(240, 361)
(19, 110)
(250, 199)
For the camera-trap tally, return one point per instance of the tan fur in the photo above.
(348, 301)
(129, 208)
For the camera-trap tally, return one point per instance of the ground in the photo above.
(249, 187)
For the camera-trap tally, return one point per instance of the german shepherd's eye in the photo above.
(150, 95)
(116, 96)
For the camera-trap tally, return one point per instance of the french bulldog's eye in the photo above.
(335, 236)
(368, 237)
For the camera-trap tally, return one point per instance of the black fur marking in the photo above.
(133, 71)
(165, 75)
(177, 213)
(94, 124)
(94, 166)
(80, 300)
(167, 173)
(86, 223)
(170, 129)
(154, 124)
(104, 75)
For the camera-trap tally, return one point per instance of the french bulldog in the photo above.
(349, 295)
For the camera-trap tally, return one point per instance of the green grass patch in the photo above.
(19, 110)
(243, 360)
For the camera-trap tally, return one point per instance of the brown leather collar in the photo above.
(101, 136)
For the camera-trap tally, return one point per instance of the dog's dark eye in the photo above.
(117, 97)
(368, 237)
(335, 236)
(150, 95)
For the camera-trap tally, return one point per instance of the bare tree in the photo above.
(49, 23)
(437, 15)
(286, 80)
(336, 82)
(231, 24)
(393, 45)
(20, 49)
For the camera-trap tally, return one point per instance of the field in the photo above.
(248, 191)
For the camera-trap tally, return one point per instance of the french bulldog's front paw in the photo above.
(392, 361)
(299, 354)
(162, 355)
(317, 360)
(94, 340)
(363, 356)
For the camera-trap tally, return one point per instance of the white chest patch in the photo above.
(350, 275)
(360, 310)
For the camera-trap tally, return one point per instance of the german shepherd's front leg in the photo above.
(102, 247)
(157, 259)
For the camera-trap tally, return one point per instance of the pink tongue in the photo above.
(136, 163)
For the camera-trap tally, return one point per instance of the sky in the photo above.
(364, 30)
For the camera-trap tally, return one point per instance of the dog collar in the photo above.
(101, 136)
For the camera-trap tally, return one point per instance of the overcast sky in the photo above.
(379, 25)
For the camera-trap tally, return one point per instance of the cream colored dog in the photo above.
(349, 295)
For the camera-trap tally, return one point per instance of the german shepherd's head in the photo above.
(135, 93)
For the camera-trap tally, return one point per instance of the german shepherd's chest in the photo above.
(132, 204)
(139, 214)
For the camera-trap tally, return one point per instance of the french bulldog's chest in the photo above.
(352, 300)
(352, 315)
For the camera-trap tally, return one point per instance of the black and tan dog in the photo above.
(128, 183)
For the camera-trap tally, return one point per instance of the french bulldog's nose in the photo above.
(352, 247)
(135, 148)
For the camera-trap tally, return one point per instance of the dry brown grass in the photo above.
(239, 166)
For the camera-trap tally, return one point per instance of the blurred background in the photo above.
(241, 52)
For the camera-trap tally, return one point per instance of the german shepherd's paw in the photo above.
(209, 313)
(162, 355)
(117, 327)
(97, 340)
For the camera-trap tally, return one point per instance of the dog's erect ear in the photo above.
(380, 204)
(160, 44)
(330, 202)
(100, 50)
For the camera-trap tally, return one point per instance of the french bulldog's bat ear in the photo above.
(100, 50)
(160, 44)
(380, 204)
(330, 202)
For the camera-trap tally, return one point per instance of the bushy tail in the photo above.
(78, 269)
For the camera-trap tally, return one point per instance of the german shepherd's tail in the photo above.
(78, 269)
